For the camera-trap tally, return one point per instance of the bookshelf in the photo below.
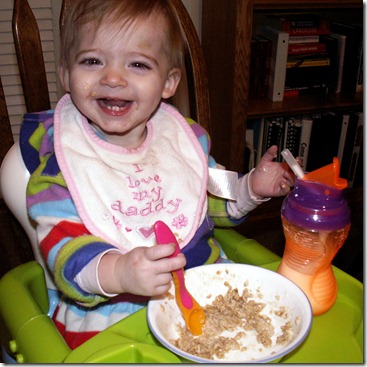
(227, 28)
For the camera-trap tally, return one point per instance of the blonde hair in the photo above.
(124, 13)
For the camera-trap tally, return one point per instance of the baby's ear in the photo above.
(64, 77)
(173, 79)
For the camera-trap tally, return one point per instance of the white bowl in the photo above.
(207, 281)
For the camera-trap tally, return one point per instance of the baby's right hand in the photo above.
(142, 271)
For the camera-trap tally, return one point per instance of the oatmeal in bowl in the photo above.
(252, 314)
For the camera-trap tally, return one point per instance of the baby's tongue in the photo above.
(115, 103)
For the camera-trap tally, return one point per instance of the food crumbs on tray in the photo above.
(163, 308)
(233, 313)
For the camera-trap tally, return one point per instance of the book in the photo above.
(292, 134)
(343, 135)
(332, 49)
(255, 71)
(278, 61)
(356, 149)
(304, 145)
(353, 51)
(304, 39)
(301, 25)
(260, 67)
(304, 20)
(249, 149)
(359, 174)
(359, 87)
(324, 141)
(309, 60)
(340, 59)
(258, 133)
(273, 135)
(349, 145)
(306, 48)
(304, 90)
(310, 77)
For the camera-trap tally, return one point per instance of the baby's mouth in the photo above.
(113, 104)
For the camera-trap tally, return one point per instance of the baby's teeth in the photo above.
(113, 108)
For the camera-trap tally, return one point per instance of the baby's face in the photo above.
(117, 78)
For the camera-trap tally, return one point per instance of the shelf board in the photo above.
(310, 4)
(303, 104)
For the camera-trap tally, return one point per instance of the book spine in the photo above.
(307, 77)
(278, 61)
(359, 87)
(304, 144)
(343, 135)
(249, 150)
(304, 63)
(297, 22)
(304, 39)
(324, 140)
(258, 129)
(292, 134)
(306, 48)
(332, 48)
(320, 89)
(260, 67)
(353, 49)
(297, 30)
(356, 149)
(274, 133)
(348, 145)
(341, 52)
(255, 69)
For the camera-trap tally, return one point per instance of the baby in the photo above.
(113, 158)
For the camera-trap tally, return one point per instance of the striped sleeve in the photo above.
(65, 243)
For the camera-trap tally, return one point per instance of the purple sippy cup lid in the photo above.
(316, 206)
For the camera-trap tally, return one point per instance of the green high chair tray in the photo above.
(335, 337)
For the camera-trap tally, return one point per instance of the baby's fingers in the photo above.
(161, 254)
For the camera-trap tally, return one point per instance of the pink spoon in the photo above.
(191, 311)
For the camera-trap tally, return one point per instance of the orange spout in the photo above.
(328, 175)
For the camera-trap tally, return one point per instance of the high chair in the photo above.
(27, 333)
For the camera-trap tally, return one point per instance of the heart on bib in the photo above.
(145, 232)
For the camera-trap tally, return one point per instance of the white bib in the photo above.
(120, 193)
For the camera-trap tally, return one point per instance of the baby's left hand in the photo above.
(270, 179)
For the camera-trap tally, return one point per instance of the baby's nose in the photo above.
(114, 77)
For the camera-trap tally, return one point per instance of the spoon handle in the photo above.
(165, 236)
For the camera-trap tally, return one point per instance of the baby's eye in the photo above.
(140, 65)
(90, 62)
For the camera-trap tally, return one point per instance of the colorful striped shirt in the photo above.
(68, 246)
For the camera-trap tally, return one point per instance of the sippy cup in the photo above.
(316, 222)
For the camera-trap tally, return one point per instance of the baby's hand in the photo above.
(143, 271)
(270, 179)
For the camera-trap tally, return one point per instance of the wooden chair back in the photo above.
(31, 64)
(192, 99)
